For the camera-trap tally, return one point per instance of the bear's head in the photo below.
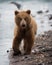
(23, 19)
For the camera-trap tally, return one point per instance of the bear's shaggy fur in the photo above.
(25, 29)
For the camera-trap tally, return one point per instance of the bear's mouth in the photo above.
(23, 28)
(23, 31)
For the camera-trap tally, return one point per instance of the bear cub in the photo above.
(25, 29)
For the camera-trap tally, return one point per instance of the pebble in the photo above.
(47, 11)
(50, 18)
(50, 25)
(7, 51)
(40, 64)
(40, 12)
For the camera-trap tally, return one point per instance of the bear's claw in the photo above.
(16, 53)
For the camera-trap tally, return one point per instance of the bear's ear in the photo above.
(16, 12)
(28, 12)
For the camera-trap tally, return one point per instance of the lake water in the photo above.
(7, 22)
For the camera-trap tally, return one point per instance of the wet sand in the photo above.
(41, 52)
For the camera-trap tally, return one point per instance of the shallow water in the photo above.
(7, 23)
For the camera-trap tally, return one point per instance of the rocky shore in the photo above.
(41, 52)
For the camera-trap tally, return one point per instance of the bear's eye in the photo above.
(19, 19)
(26, 19)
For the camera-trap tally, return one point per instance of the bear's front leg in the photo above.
(16, 43)
(28, 43)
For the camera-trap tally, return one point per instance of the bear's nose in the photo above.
(23, 25)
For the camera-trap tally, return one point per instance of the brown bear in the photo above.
(25, 29)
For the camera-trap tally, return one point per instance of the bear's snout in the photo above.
(23, 24)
